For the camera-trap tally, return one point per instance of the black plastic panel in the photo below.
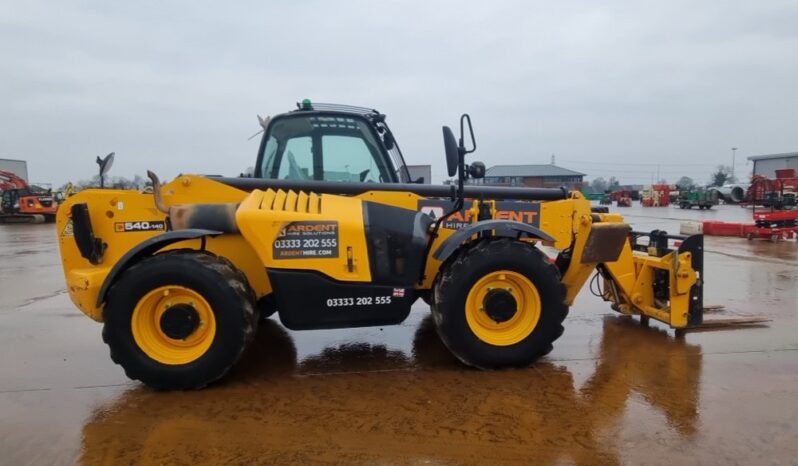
(500, 228)
(147, 248)
(397, 240)
(695, 246)
(309, 300)
(90, 247)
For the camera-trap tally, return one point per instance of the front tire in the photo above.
(499, 303)
(179, 320)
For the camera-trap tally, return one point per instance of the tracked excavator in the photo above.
(23, 203)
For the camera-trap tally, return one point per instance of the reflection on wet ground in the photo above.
(362, 402)
(611, 392)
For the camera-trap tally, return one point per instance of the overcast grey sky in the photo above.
(611, 88)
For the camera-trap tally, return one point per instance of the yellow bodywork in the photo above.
(262, 216)
(119, 218)
(111, 209)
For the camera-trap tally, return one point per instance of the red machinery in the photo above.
(622, 198)
(766, 192)
(779, 217)
(774, 207)
(658, 195)
(22, 203)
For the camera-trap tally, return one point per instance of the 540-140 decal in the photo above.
(141, 225)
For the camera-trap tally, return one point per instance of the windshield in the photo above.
(328, 147)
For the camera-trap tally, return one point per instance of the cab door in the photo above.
(10, 200)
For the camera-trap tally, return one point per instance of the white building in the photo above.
(766, 165)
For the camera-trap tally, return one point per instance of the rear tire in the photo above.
(482, 338)
(211, 322)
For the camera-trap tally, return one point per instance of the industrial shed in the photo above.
(536, 176)
(420, 173)
(766, 165)
(17, 167)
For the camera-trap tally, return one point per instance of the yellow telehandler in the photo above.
(331, 232)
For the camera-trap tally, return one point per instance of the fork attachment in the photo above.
(661, 278)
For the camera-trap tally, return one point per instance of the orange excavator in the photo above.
(23, 203)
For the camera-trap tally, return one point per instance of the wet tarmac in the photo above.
(611, 392)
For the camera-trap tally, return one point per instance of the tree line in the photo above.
(721, 176)
(138, 182)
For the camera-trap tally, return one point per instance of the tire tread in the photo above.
(463, 261)
(235, 280)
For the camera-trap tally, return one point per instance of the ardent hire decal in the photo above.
(307, 240)
(524, 212)
(143, 225)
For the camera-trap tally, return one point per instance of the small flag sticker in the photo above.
(398, 292)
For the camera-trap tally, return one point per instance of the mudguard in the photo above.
(147, 248)
(502, 228)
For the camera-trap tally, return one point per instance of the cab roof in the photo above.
(307, 106)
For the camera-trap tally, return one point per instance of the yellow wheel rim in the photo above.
(517, 327)
(150, 337)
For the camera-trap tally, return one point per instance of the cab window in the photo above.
(347, 158)
(321, 147)
(298, 163)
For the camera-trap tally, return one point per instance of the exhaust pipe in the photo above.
(156, 192)
(219, 217)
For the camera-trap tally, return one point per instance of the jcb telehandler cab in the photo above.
(330, 232)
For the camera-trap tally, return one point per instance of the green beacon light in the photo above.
(306, 104)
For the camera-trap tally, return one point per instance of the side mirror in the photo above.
(476, 170)
(452, 151)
